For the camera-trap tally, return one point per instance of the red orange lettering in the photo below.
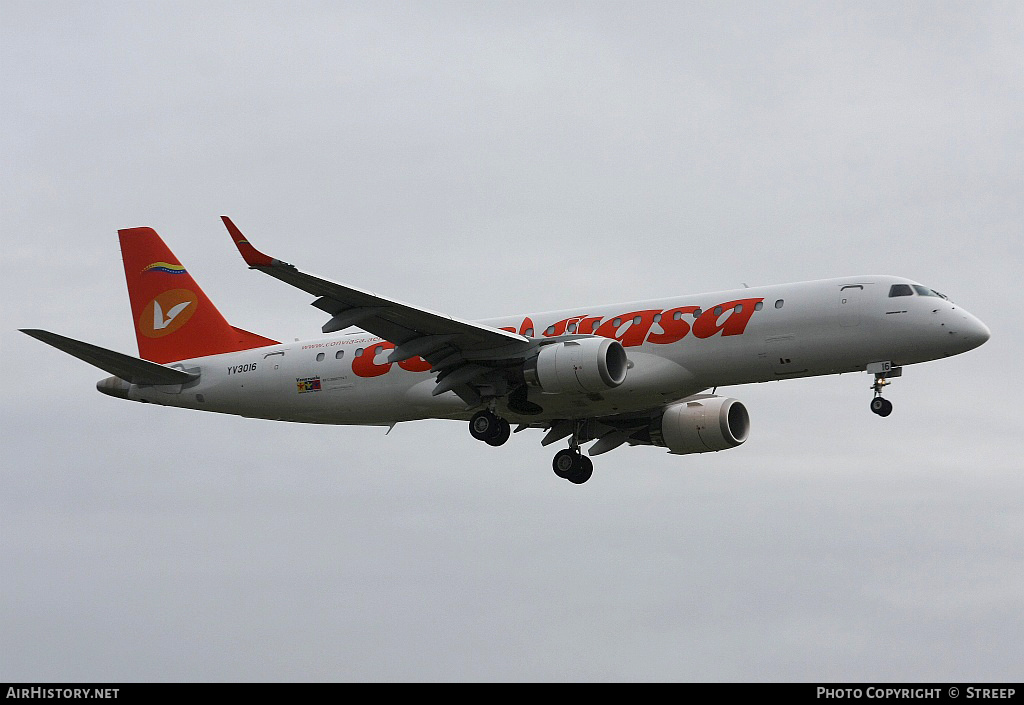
(415, 364)
(739, 313)
(526, 328)
(364, 366)
(587, 325)
(559, 327)
(630, 329)
(674, 329)
(635, 331)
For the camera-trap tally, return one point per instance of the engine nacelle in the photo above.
(702, 425)
(574, 366)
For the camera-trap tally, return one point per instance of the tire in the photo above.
(886, 408)
(583, 471)
(878, 404)
(484, 425)
(564, 462)
(502, 433)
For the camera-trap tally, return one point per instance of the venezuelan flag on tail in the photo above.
(174, 319)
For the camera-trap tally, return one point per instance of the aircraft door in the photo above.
(851, 301)
(263, 386)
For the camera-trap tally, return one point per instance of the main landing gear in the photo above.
(491, 429)
(570, 464)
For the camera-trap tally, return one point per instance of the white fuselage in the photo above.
(760, 334)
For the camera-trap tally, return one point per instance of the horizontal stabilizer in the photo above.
(131, 369)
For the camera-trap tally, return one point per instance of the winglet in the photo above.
(252, 256)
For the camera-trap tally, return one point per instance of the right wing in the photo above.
(464, 354)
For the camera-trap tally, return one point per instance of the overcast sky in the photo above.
(482, 159)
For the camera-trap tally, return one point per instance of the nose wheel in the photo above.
(882, 407)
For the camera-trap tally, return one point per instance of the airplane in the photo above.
(634, 373)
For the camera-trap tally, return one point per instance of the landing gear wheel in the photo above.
(501, 434)
(882, 407)
(582, 472)
(564, 462)
(484, 425)
(571, 465)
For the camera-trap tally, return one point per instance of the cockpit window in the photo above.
(925, 291)
(900, 290)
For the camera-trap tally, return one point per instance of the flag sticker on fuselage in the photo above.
(307, 384)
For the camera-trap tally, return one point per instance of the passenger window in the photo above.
(340, 354)
(359, 352)
(319, 357)
(759, 305)
(900, 290)
(696, 314)
(779, 303)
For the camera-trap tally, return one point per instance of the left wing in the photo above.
(462, 352)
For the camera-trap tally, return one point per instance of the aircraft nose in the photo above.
(975, 332)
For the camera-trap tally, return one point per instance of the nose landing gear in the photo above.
(883, 371)
(882, 407)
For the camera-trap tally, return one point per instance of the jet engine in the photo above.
(701, 424)
(574, 366)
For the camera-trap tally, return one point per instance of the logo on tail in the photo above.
(168, 267)
(167, 313)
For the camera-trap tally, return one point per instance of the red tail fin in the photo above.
(174, 319)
